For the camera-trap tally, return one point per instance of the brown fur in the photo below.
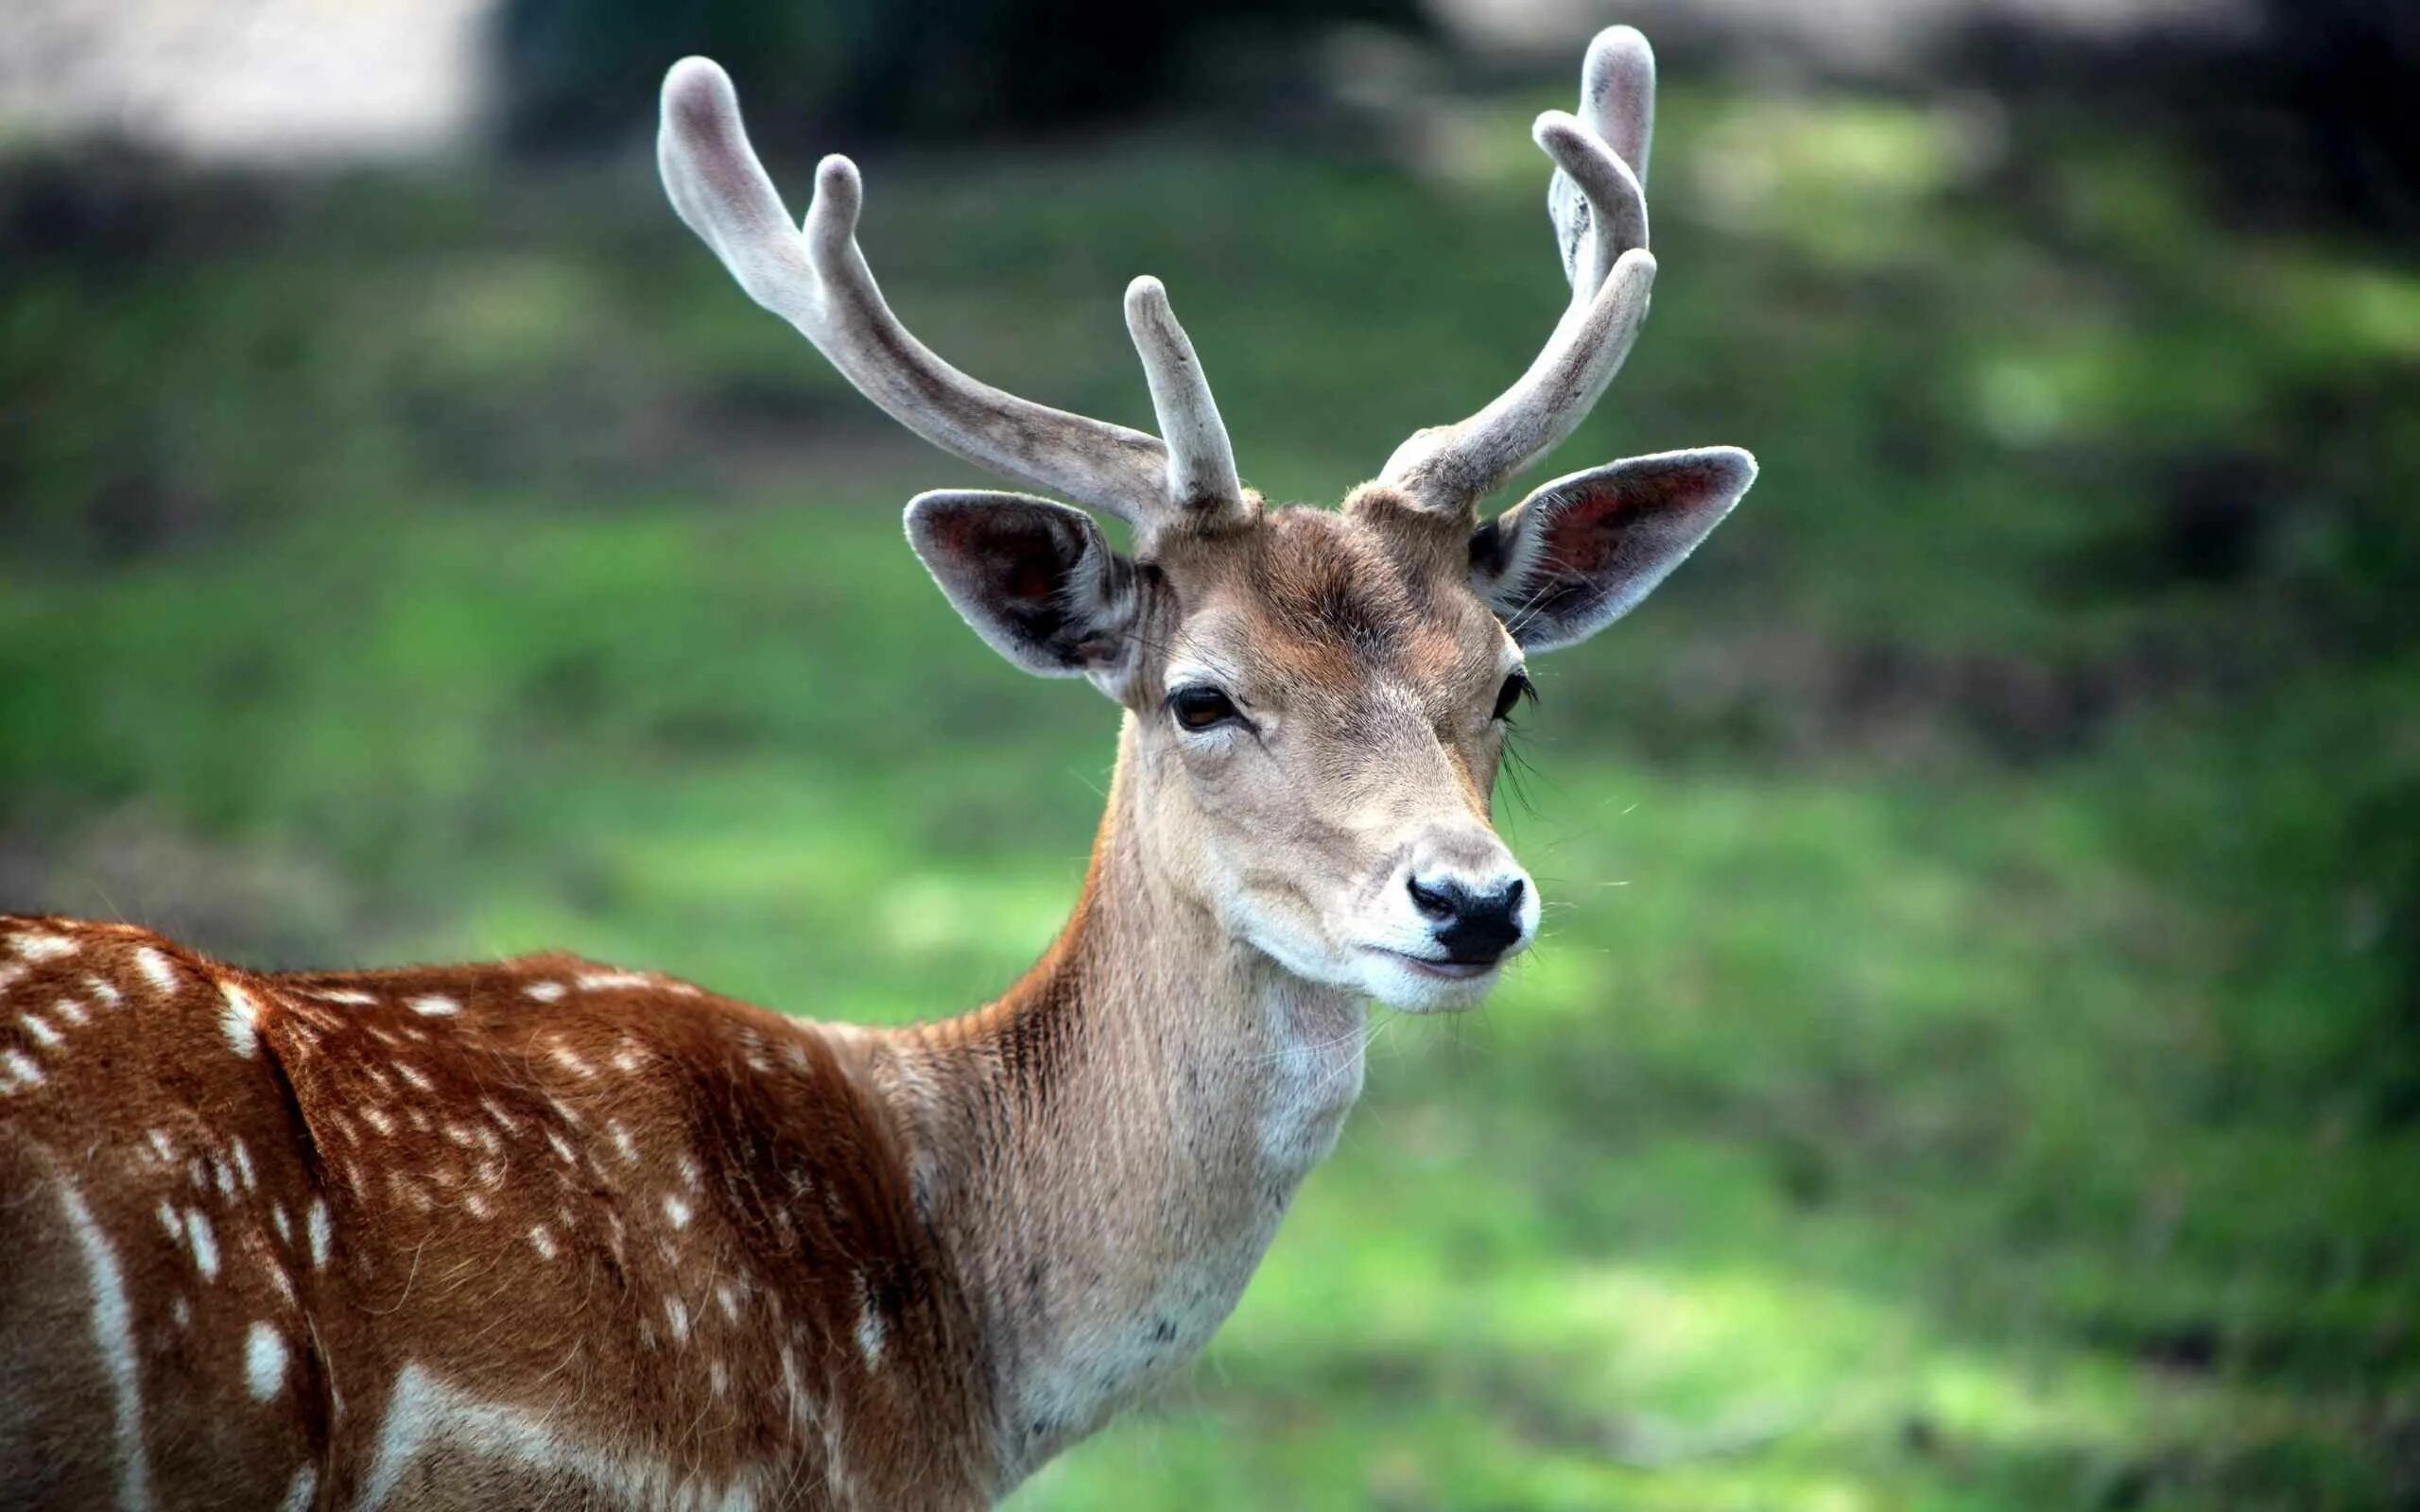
(1045, 1207)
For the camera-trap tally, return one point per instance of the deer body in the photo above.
(545, 1232)
(537, 1233)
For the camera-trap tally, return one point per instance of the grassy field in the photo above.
(1975, 1058)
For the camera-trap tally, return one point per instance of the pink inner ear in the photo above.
(1587, 535)
(1030, 579)
(956, 531)
(1584, 534)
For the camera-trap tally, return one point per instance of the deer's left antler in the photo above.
(1597, 202)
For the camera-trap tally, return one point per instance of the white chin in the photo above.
(1412, 987)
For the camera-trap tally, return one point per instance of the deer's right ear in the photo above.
(1036, 579)
(1578, 552)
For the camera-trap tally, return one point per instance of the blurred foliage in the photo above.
(2292, 109)
(1974, 1059)
(569, 68)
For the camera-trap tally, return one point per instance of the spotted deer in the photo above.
(543, 1233)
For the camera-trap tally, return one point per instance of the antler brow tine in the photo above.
(1597, 199)
(817, 279)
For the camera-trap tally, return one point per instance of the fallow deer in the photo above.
(548, 1233)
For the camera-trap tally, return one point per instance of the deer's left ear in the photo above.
(1572, 557)
(1036, 579)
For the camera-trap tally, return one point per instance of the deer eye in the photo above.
(1516, 687)
(1201, 706)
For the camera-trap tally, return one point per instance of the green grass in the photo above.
(1972, 1062)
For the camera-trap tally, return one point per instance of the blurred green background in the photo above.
(1973, 1059)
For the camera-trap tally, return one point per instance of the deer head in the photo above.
(1315, 700)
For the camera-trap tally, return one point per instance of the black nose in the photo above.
(1473, 926)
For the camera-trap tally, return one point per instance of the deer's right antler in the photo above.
(818, 280)
(1598, 201)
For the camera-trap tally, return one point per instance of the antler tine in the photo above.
(1597, 199)
(1618, 94)
(1201, 464)
(817, 279)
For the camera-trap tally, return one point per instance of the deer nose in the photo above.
(1474, 925)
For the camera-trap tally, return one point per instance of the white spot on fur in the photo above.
(72, 1009)
(40, 1028)
(544, 992)
(622, 1146)
(872, 1332)
(478, 1206)
(109, 996)
(678, 1212)
(610, 981)
(241, 1020)
(113, 1326)
(436, 1005)
(277, 1276)
(689, 1173)
(318, 1224)
(243, 1167)
(543, 1242)
(676, 1312)
(728, 1300)
(630, 1057)
(162, 1145)
(157, 970)
(562, 1151)
(569, 1059)
(377, 1118)
(412, 1074)
(264, 1362)
(35, 945)
(204, 1242)
(169, 1221)
(279, 1221)
(297, 1495)
(21, 1070)
(345, 995)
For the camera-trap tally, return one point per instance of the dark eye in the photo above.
(1516, 688)
(1201, 706)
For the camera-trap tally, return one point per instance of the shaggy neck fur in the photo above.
(1105, 1152)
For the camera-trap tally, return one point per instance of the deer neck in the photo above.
(1104, 1153)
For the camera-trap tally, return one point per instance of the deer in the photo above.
(547, 1232)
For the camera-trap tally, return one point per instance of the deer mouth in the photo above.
(1444, 968)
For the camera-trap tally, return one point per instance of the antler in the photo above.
(1598, 201)
(818, 282)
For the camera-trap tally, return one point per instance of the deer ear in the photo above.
(1575, 555)
(1036, 579)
